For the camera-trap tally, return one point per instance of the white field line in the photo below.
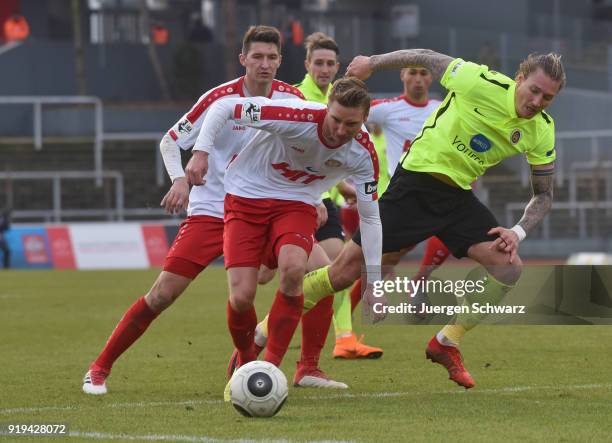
(340, 395)
(180, 438)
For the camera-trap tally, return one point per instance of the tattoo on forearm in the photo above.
(541, 202)
(434, 61)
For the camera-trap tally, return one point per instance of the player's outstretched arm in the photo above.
(536, 209)
(362, 67)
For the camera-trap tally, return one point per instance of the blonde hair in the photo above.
(318, 40)
(550, 63)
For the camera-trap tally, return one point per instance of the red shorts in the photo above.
(198, 242)
(256, 228)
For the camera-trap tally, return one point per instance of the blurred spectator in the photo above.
(292, 32)
(489, 56)
(159, 34)
(5, 223)
(198, 31)
(16, 28)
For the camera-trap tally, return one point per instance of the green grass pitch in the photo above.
(533, 383)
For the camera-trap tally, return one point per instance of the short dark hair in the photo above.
(263, 34)
(318, 40)
(351, 92)
(550, 63)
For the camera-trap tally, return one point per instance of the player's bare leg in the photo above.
(166, 289)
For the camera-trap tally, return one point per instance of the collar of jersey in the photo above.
(241, 91)
(416, 105)
(319, 118)
(510, 104)
(312, 92)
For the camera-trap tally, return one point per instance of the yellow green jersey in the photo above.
(476, 127)
(311, 91)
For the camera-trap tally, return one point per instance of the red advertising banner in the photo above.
(62, 252)
(156, 244)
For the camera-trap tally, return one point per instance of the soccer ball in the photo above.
(258, 389)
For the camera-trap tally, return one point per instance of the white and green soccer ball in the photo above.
(258, 389)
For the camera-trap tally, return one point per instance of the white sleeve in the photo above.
(171, 153)
(276, 116)
(371, 238)
(377, 114)
(217, 116)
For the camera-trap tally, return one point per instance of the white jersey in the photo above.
(289, 159)
(208, 199)
(400, 121)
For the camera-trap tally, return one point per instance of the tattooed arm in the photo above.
(541, 201)
(362, 67)
(539, 205)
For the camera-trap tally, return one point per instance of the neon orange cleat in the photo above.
(450, 358)
(350, 348)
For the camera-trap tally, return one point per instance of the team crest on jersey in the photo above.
(371, 188)
(251, 111)
(185, 127)
(515, 136)
(331, 163)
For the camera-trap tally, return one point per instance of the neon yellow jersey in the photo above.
(380, 145)
(476, 127)
(311, 91)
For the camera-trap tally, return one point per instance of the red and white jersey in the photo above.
(208, 199)
(400, 120)
(288, 158)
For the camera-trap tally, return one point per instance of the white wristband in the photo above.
(518, 229)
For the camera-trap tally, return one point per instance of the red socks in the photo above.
(436, 253)
(315, 326)
(284, 317)
(135, 321)
(242, 328)
(355, 294)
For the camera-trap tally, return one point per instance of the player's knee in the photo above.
(265, 275)
(507, 273)
(291, 276)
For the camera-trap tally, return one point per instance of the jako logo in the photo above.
(480, 143)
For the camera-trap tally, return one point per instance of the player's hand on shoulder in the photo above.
(321, 215)
(507, 241)
(197, 168)
(177, 198)
(360, 67)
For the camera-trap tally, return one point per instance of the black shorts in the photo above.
(332, 228)
(417, 206)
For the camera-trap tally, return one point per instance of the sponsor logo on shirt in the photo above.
(251, 111)
(371, 188)
(515, 136)
(298, 149)
(185, 127)
(461, 147)
(331, 163)
(480, 143)
(295, 175)
(238, 128)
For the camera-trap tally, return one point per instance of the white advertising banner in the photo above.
(109, 246)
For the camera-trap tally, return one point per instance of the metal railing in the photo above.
(38, 101)
(56, 212)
